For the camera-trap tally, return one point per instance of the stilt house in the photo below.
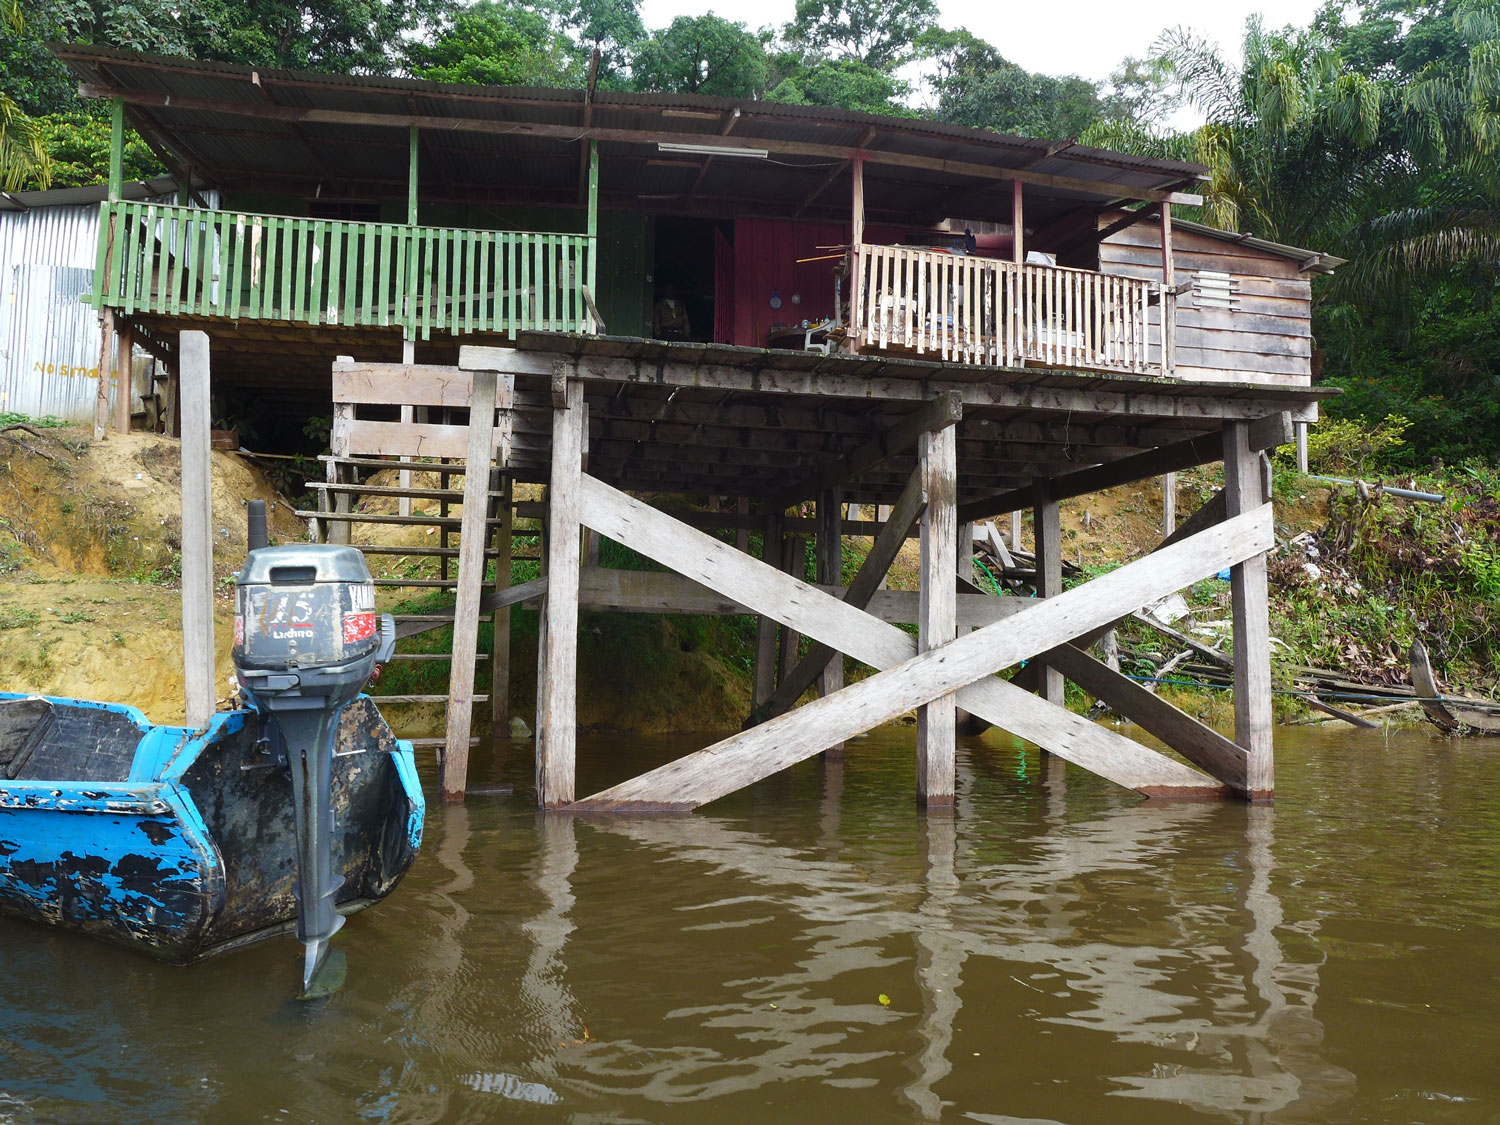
(622, 295)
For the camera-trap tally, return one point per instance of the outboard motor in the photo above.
(306, 641)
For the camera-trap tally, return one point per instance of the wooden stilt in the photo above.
(500, 648)
(831, 573)
(1047, 530)
(861, 590)
(408, 415)
(1300, 433)
(936, 721)
(197, 530)
(742, 535)
(765, 636)
(124, 392)
(1246, 488)
(106, 356)
(793, 562)
(557, 659)
(470, 586)
(1015, 530)
(1168, 503)
(338, 531)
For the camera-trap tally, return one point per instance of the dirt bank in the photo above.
(91, 560)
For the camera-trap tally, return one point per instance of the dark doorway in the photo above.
(683, 298)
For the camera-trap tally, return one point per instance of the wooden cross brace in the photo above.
(908, 680)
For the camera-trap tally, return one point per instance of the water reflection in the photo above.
(1051, 950)
(1125, 929)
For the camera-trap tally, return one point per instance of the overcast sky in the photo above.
(1084, 37)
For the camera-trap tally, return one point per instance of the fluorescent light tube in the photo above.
(713, 150)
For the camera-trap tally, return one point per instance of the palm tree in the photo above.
(23, 157)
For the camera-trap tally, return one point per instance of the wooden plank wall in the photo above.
(1266, 338)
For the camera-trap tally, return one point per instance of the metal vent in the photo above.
(1212, 290)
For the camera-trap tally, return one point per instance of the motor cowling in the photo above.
(305, 623)
(306, 641)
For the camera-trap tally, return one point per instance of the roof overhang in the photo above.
(244, 128)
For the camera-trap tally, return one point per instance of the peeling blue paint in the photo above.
(147, 863)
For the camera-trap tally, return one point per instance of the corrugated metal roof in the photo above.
(474, 154)
(93, 193)
(1314, 260)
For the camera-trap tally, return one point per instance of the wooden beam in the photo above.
(470, 587)
(1244, 490)
(106, 358)
(942, 412)
(197, 530)
(1017, 224)
(1046, 522)
(1199, 744)
(725, 128)
(834, 379)
(877, 562)
(715, 564)
(830, 553)
(765, 635)
(589, 89)
(909, 679)
(1264, 433)
(500, 628)
(937, 721)
(833, 173)
(124, 374)
(643, 591)
(557, 657)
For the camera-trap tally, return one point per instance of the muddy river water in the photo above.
(817, 949)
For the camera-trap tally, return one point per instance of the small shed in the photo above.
(49, 335)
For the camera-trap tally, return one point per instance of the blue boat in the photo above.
(182, 844)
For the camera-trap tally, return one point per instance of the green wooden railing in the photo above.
(183, 261)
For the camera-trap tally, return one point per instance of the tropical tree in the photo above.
(702, 55)
(496, 43)
(23, 157)
(842, 84)
(882, 34)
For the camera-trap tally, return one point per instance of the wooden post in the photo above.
(831, 573)
(857, 219)
(591, 276)
(124, 375)
(197, 531)
(116, 148)
(1015, 530)
(1168, 503)
(557, 657)
(106, 356)
(742, 534)
(794, 562)
(1046, 529)
(1245, 489)
(408, 416)
(1301, 434)
(500, 649)
(937, 721)
(482, 398)
(1018, 226)
(1168, 296)
(765, 635)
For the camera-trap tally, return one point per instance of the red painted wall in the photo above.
(765, 261)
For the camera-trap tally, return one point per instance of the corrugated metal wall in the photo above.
(49, 339)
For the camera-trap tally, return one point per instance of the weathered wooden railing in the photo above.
(979, 310)
(190, 262)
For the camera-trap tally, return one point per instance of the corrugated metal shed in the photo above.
(49, 338)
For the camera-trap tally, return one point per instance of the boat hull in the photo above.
(181, 845)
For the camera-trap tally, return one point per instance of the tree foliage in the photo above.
(23, 153)
(494, 43)
(702, 55)
(882, 34)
